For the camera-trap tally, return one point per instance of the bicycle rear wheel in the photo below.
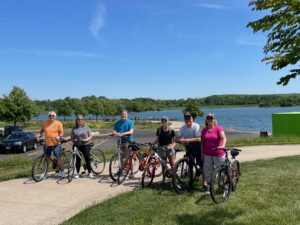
(39, 168)
(71, 167)
(148, 175)
(235, 174)
(220, 186)
(181, 176)
(123, 172)
(66, 157)
(97, 161)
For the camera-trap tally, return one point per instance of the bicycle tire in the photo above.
(114, 166)
(39, 168)
(235, 174)
(97, 161)
(66, 157)
(135, 164)
(123, 172)
(220, 186)
(71, 167)
(148, 175)
(181, 176)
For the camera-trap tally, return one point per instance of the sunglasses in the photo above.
(51, 115)
(79, 119)
(209, 118)
(187, 118)
(163, 121)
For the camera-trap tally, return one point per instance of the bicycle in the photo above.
(226, 178)
(156, 161)
(184, 171)
(127, 164)
(97, 158)
(41, 164)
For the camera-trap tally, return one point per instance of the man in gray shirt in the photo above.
(190, 136)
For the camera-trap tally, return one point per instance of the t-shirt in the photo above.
(211, 139)
(165, 137)
(192, 132)
(122, 126)
(80, 133)
(52, 129)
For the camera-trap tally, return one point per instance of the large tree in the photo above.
(193, 107)
(17, 107)
(283, 45)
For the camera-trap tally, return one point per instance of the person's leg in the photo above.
(208, 170)
(78, 163)
(85, 149)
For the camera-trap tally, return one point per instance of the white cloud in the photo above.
(98, 20)
(210, 6)
(60, 53)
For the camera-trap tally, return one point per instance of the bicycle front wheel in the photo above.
(220, 186)
(39, 168)
(123, 172)
(181, 176)
(71, 167)
(114, 166)
(97, 161)
(148, 175)
(135, 164)
(235, 174)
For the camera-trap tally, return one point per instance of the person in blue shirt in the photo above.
(123, 129)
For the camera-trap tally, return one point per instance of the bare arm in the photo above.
(223, 138)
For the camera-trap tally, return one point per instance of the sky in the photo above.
(161, 49)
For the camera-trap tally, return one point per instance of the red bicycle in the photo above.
(129, 161)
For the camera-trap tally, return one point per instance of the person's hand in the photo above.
(38, 135)
(57, 138)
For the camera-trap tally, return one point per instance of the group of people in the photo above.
(205, 146)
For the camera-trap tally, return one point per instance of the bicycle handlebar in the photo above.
(227, 149)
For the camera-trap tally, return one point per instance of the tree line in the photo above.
(18, 107)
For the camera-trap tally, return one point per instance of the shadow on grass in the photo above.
(213, 217)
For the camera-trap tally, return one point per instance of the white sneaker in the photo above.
(91, 176)
(63, 174)
(76, 176)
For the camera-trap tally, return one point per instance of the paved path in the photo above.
(52, 201)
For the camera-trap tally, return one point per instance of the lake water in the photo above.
(241, 118)
(238, 118)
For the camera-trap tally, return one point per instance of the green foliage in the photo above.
(193, 107)
(268, 194)
(64, 107)
(283, 22)
(17, 107)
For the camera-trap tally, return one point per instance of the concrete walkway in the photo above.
(52, 201)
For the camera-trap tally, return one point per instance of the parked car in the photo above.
(19, 142)
(8, 129)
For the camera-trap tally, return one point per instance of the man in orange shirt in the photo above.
(53, 131)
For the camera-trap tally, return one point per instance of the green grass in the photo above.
(15, 167)
(268, 194)
(264, 141)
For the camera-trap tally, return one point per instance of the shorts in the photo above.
(56, 150)
(164, 154)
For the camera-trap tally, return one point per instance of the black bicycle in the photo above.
(226, 178)
(41, 164)
(184, 171)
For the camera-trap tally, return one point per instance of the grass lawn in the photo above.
(269, 193)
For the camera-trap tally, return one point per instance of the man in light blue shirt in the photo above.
(123, 129)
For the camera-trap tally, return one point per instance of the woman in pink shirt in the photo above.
(213, 136)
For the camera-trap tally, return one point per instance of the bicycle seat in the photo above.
(133, 146)
(234, 152)
(91, 145)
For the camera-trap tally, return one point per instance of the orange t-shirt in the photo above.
(51, 130)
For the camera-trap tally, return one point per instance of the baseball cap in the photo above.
(164, 118)
(187, 114)
(210, 115)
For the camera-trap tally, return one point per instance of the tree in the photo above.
(96, 108)
(283, 42)
(63, 108)
(193, 107)
(17, 107)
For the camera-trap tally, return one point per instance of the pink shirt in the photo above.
(211, 139)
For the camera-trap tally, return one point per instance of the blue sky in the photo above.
(162, 49)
